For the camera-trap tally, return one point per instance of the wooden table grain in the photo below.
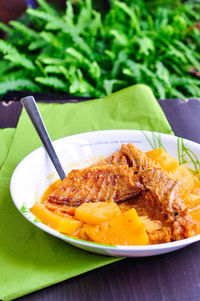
(170, 277)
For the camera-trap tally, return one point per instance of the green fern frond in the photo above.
(57, 23)
(46, 7)
(135, 70)
(85, 16)
(189, 54)
(79, 41)
(5, 28)
(18, 84)
(130, 13)
(56, 70)
(51, 39)
(12, 75)
(96, 24)
(178, 94)
(69, 13)
(182, 81)
(193, 90)
(51, 82)
(36, 44)
(52, 69)
(76, 54)
(109, 85)
(5, 67)
(44, 16)
(12, 54)
(7, 48)
(160, 88)
(50, 60)
(21, 60)
(26, 31)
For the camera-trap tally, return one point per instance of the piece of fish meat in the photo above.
(98, 183)
(162, 192)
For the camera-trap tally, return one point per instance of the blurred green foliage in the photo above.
(88, 53)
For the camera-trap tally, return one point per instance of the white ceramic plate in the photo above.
(35, 173)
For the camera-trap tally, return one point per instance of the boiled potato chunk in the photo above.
(192, 201)
(185, 176)
(196, 187)
(167, 162)
(195, 213)
(97, 212)
(65, 224)
(124, 229)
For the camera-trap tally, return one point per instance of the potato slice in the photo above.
(192, 201)
(124, 229)
(167, 162)
(195, 214)
(65, 224)
(185, 176)
(196, 187)
(97, 212)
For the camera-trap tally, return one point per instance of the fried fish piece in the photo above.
(163, 193)
(98, 183)
(117, 158)
(137, 159)
(129, 156)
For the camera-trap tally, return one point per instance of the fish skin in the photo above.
(98, 183)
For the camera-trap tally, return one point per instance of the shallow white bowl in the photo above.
(35, 173)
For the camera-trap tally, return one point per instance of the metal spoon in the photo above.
(34, 114)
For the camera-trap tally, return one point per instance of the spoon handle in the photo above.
(34, 114)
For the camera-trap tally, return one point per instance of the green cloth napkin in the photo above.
(31, 259)
(6, 136)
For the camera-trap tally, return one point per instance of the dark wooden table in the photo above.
(171, 277)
